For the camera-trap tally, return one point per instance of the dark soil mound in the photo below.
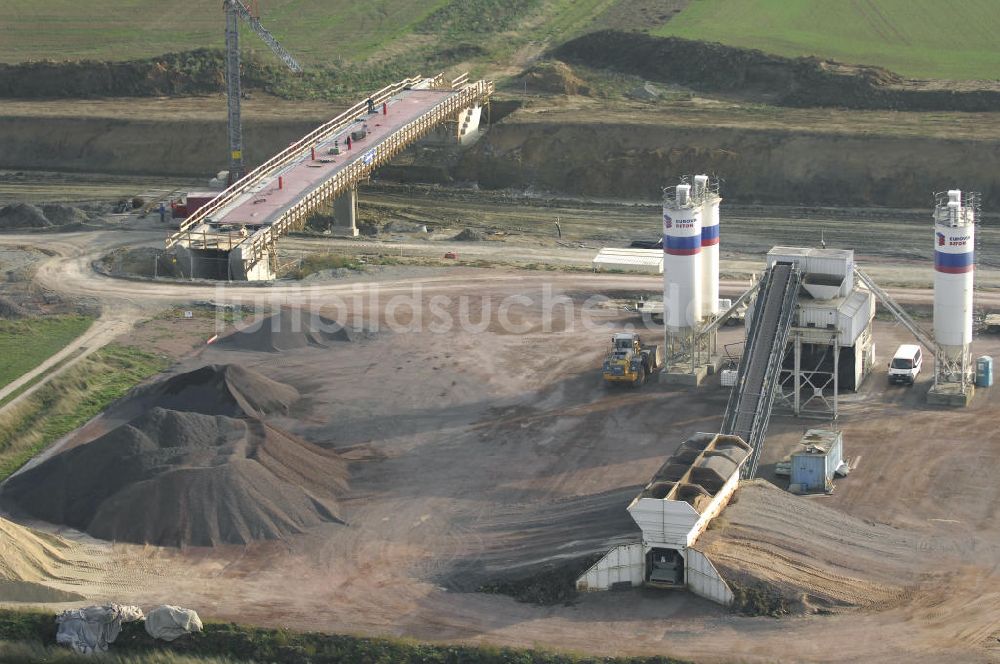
(713, 67)
(172, 478)
(22, 215)
(26, 215)
(192, 72)
(141, 262)
(61, 215)
(12, 310)
(469, 235)
(215, 389)
(290, 329)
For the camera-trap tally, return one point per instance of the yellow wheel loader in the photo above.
(630, 361)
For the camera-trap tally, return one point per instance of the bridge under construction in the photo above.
(234, 237)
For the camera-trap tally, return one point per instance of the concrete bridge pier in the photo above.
(345, 213)
(262, 270)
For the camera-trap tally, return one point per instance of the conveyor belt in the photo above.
(749, 408)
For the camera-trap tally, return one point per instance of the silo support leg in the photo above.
(797, 407)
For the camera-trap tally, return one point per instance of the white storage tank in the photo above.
(954, 263)
(709, 245)
(682, 270)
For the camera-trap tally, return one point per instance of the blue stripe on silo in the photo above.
(682, 246)
(954, 263)
(709, 235)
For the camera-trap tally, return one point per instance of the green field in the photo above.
(916, 38)
(317, 32)
(24, 344)
(313, 30)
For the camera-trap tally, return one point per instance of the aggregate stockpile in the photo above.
(812, 556)
(214, 389)
(290, 329)
(30, 559)
(203, 471)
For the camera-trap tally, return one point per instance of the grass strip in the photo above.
(70, 400)
(27, 342)
(280, 646)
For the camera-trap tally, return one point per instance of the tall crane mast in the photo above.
(237, 10)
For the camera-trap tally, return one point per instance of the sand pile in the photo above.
(179, 478)
(28, 559)
(812, 555)
(290, 329)
(214, 389)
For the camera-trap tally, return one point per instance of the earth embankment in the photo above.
(712, 67)
(186, 148)
(575, 146)
(635, 158)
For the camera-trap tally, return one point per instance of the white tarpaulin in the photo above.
(94, 627)
(170, 622)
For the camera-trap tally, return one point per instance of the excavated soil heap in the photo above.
(556, 77)
(22, 215)
(25, 215)
(290, 329)
(214, 389)
(809, 554)
(179, 478)
(11, 310)
(28, 559)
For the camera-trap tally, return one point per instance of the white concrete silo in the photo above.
(682, 254)
(954, 265)
(710, 201)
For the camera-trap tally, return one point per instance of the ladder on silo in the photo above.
(752, 399)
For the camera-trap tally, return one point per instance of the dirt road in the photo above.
(104, 330)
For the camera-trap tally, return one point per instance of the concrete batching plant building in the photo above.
(830, 346)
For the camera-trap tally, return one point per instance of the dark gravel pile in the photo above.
(214, 389)
(290, 329)
(181, 478)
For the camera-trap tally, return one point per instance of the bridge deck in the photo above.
(246, 219)
(266, 202)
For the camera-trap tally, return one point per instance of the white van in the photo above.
(905, 364)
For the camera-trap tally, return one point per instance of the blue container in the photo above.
(984, 371)
(814, 466)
